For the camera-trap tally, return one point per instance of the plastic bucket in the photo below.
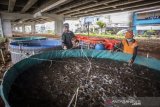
(100, 47)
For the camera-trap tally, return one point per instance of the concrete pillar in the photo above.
(58, 27)
(1, 30)
(23, 28)
(13, 28)
(7, 29)
(33, 29)
(16, 28)
(19, 28)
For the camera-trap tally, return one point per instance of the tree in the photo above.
(101, 25)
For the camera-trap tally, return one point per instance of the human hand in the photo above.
(130, 62)
(111, 50)
(65, 47)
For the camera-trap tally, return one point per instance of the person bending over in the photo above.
(128, 45)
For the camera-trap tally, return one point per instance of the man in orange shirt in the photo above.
(129, 46)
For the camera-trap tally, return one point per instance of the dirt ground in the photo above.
(7, 57)
(93, 80)
(150, 47)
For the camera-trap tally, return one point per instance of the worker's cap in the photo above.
(66, 25)
(129, 34)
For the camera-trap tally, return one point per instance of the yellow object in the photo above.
(129, 46)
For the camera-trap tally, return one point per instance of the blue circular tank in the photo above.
(26, 38)
(100, 47)
(10, 75)
(24, 49)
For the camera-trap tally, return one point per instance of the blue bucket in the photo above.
(100, 47)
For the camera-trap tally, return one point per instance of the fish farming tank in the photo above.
(24, 49)
(81, 78)
(19, 39)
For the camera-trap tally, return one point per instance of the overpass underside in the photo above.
(21, 12)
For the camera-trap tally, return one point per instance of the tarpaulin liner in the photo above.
(23, 65)
(109, 43)
(26, 38)
(24, 49)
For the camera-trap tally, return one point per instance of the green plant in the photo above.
(50, 31)
(151, 31)
(101, 25)
(144, 34)
(2, 39)
(121, 34)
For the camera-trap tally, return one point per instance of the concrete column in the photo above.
(33, 29)
(1, 30)
(23, 28)
(13, 28)
(7, 29)
(19, 28)
(58, 27)
(16, 28)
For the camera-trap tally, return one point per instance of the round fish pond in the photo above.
(20, 39)
(85, 78)
(24, 49)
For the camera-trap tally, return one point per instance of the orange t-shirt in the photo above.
(129, 47)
